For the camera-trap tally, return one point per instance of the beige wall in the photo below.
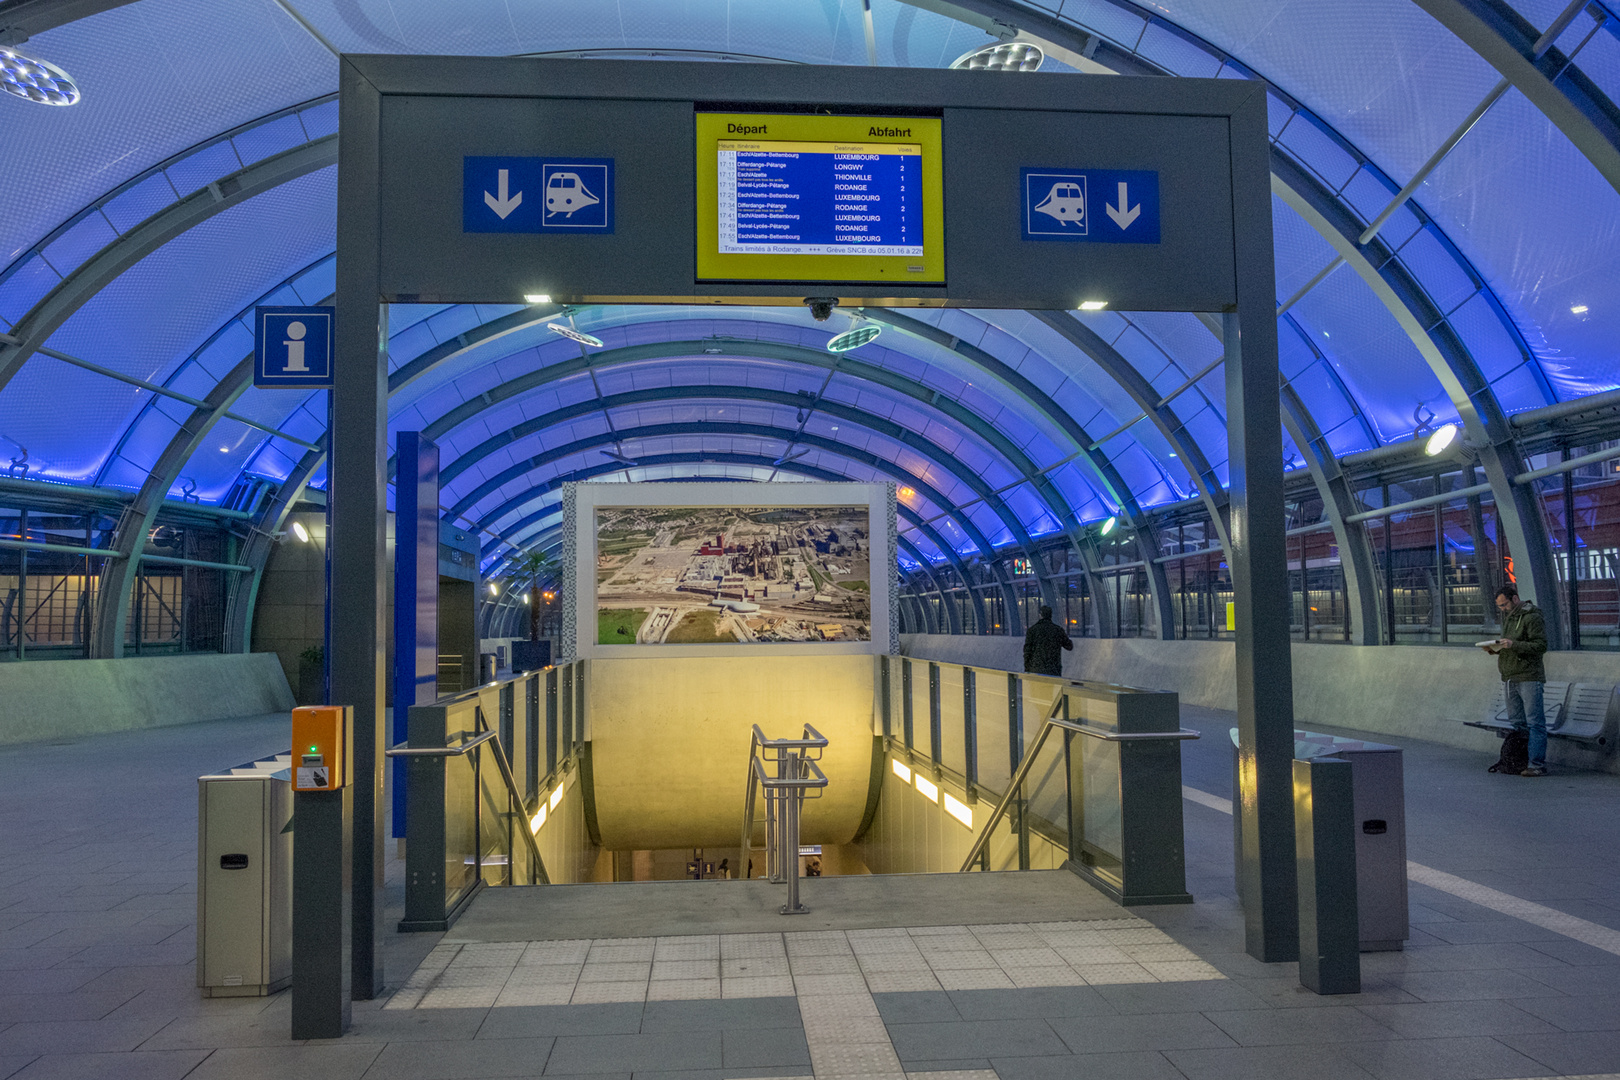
(670, 737)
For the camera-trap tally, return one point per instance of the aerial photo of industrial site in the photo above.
(706, 575)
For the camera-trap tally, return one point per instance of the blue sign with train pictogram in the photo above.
(536, 195)
(1098, 206)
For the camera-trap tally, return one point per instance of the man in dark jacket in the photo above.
(1041, 645)
(1518, 658)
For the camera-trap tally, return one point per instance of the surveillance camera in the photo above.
(821, 307)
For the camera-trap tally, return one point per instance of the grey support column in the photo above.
(1329, 921)
(1257, 556)
(357, 495)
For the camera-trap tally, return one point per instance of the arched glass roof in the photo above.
(197, 179)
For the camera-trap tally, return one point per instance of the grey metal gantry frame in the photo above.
(796, 774)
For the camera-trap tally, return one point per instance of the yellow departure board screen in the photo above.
(823, 199)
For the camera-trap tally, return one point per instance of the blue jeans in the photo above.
(1526, 712)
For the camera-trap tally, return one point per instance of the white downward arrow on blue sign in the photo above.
(503, 205)
(1122, 216)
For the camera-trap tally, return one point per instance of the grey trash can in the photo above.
(244, 879)
(1380, 814)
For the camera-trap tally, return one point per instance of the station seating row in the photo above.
(1585, 714)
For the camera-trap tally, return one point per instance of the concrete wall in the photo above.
(68, 698)
(1403, 691)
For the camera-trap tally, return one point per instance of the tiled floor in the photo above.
(1513, 968)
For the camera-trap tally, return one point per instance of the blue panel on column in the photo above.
(416, 592)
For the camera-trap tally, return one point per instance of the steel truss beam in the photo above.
(1453, 366)
(1338, 503)
(1574, 104)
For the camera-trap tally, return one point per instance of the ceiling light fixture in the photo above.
(299, 531)
(1002, 56)
(1578, 309)
(574, 335)
(1442, 438)
(1108, 526)
(35, 80)
(1093, 305)
(494, 589)
(537, 298)
(854, 337)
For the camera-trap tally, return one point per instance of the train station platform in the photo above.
(1512, 968)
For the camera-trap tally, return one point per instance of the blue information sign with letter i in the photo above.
(1097, 206)
(293, 348)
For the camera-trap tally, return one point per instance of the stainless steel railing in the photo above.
(514, 800)
(1054, 722)
(786, 770)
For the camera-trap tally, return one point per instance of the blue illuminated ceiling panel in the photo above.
(152, 318)
(1381, 73)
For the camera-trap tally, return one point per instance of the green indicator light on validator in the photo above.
(312, 749)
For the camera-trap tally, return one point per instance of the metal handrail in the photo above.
(1054, 721)
(797, 773)
(440, 751)
(486, 734)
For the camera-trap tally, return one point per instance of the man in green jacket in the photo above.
(1518, 658)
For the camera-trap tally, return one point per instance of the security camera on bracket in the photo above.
(821, 307)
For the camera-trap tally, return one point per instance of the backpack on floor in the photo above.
(1515, 753)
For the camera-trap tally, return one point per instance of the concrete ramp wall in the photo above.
(1412, 691)
(54, 699)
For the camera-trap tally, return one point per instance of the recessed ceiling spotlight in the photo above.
(574, 335)
(35, 80)
(1093, 305)
(1442, 437)
(854, 338)
(537, 298)
(1002, 56)
(1578, 309)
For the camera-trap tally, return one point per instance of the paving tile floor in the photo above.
(1512, 970)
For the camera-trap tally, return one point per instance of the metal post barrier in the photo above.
(1325, 854)
(322, 892)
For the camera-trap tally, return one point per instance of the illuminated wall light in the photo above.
(1441, 439)
(556, 796)
(538, 820)
(960, 811)
(928, 788)
(299, 531)
(1093, 305)
(537, 298)
(901, 770)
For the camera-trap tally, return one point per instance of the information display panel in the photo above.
(794, 198)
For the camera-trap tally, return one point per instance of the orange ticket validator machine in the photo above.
(319, 747)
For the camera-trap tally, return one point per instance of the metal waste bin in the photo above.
(244, 879)
(1378, 780)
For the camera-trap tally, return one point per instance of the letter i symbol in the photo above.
(295, 348)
